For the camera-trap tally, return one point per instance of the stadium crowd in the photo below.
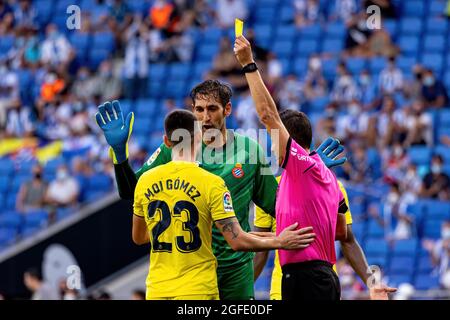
(373, 93)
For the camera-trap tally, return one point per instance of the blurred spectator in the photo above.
(391, 78)
(291, 93)
(56, 50)
(52, 86)
(246, 115)
(84, 84)
(356, 42)
(411, 183)
(138, 295)
(67, 294)
(31, 194)
(106, 83)
(352, 289)
(386, 125)
(367, 89)
(380, 44)
(136, 64)
(413, 88)
(397, 221)
(100, 295)
(82, 172)
(19, 122)
(388, 9)
(9, 90)
(395, 163)
(315, 82)
(25, 15)
(419, 125)
(120, 15)
(344, 10)
(160, 13)
(63, 192)
(274, 70)
(6, 17)
(440, 252)
(344, 88)
(259, 53)
(355, 124)
(436, 184)
(228, 10)
(32, 279)
(433, 90)
(306, 12)
(357, 168)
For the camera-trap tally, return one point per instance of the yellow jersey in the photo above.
(179, 202)
(263, 220)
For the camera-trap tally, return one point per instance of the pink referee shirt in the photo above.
(309, 194)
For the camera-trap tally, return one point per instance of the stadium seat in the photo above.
(211, 34)
(414, 8)
(411, 26)
(283, 48)
(7, 235)
(264, 14)
(444, 118)
(405, 248)
(96, 56)
(432, 229)
(419, 155)
(336, 30)
(375, 230)
(426, 282)
(100, 181)
(444, 151)
(313, 31)
(103, 40)
(206, 51)
(286, 14)
(4, 183)
(179, 71)
(36, 219)
(300, 66)
(402, 265)
(425, 264)
(396, 280)
(44, 10)
(11, 219)
(175, 89)
(285, 32)
(157, 71)
(437, 210)
(146, 107)
(63, 213)
(263, 30)
(332, 45)
(6, 166)
(29, 231)
(437, 7)
(377, 260)
(409, 45)
(377, 64)
(306, 47)
(356, 65)
(437, 26)
(434, 43)
(433, 61)
(391, 26)
(376, 247)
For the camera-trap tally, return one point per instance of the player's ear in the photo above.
(167, 142)
(228, 109)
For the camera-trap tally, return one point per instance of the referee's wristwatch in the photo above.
(251, 67)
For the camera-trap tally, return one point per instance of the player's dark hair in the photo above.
(179, 119)
(298, 127)
(34, 273)
(212, 88)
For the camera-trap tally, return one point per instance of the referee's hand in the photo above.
(292, 239)
(243, 51)
(380, 292)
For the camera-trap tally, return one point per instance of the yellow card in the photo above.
(238, 27)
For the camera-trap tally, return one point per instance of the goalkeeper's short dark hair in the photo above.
(179, 119)
(212, 88)
(298, 126)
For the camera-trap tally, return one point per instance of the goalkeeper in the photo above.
(226, 154)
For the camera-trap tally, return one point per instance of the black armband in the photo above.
(126, 180)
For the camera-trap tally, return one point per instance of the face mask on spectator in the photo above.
(428, 81)
(364, 79)
(353, 109)
(315, 64)
(398, 151)
(436, 168)
(61, 175)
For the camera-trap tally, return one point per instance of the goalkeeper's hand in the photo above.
(117, 131)
(329, 150)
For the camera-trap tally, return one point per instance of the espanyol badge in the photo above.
(237, 171)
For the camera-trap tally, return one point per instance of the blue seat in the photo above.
(63, 213)
(10, 219)
(402, 265)
(211, 34)
(332, 45)
(397, 279)
(200, 68)
(263, 30)
(311, 31)
(409, 44)
(376, 247)
(411, 26)
(141, 126)
(437, 210)
(444, 118)
(264, 14)
(157, 71)
(286, 14)
(356, 65)
(443, 132)
(36, 219)
(433, 61)
(146, 106)
(357, 209)
(7, 235)
(436, 7)
(100, 181)
(175, 89)
(419, 155)
(377, 260)
(305, 47)
(96, 56)
(358, 229)
(426, 282)
(416, 211)
(103, 40)
(138, 6)
(406, 62)
(6, 166)
(432, 229)
(335, 30)
(179, 71)
(300, 66)
(414, 8)
(391, 26)
(405, 247)
(375, 230)
(284, 32)
(377, 64)
(283, 48)
(434, 43)
(44, 10)
(28, 231)
(207, 51)
(319, 104)
(444, 151)
(437, 26)
(4, 183)
(425, 264)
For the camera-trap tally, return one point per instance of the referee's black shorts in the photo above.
(310, 280)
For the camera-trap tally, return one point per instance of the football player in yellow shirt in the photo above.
(350, 247)
(175, 206)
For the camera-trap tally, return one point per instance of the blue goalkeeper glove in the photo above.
(117, 131)
(329, 150)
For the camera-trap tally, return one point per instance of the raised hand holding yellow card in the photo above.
(238, 27)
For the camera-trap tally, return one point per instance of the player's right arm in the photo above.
(117, 132)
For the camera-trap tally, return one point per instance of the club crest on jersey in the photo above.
(227, 205)
(237, 171)
(294, 151)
